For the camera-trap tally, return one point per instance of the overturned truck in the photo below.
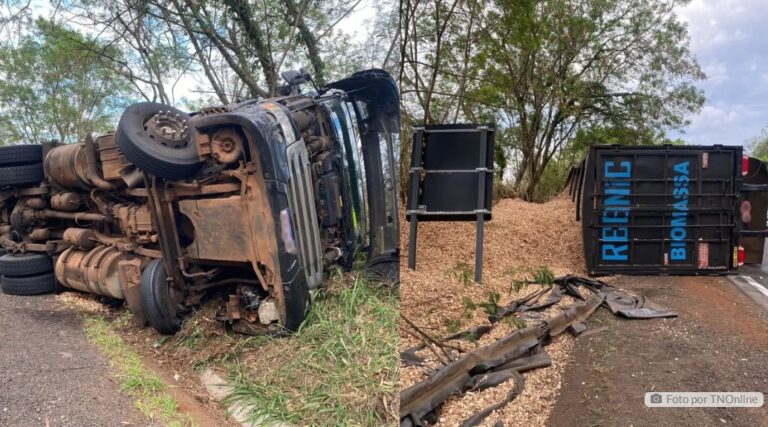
(255, 199)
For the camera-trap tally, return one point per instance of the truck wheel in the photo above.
(27, 264)
(28, 285)
(154, 137)
(21, 154)
(21, 175)
(157, 299)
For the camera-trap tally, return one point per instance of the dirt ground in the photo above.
(50, 375)
(719, 342)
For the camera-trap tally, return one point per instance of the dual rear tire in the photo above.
(21, 165)
(27, 274)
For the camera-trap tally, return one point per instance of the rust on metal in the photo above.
(94, 271)
(220, 228)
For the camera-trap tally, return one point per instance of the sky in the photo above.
(729, 40)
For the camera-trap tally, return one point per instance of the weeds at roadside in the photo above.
(544, 276)
(540, 276)
(469, 307)
(340, 368)
(453, 325)
(151, 398)
(516, 322)
(463, 273)
(491, 306)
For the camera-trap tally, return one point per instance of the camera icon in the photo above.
(656, 398)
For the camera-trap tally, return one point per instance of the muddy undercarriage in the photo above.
(254, 200)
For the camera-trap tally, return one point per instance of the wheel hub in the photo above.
(167, 129)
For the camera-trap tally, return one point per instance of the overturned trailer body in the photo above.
(677, 210)
(257, 199)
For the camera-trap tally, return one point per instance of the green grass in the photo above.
(148, 390)
(339, 369)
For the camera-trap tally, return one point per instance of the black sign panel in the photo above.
(452, 167)
(451, 179)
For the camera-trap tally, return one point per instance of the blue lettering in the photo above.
(679, 221)
(613, 252)
(614, 237)
(625, 173)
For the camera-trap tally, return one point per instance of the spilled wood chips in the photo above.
(440, 297)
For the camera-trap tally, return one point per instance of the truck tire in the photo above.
(142, 139)
(21, 154)
(156, 300)
(28, 285)
(21, 175)
(28, 264)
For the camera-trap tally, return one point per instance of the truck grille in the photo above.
(302, 204)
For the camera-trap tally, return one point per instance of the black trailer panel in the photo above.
(754, 215)
(661, 210)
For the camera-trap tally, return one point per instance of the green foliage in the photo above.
(152, 399)
(339, 369)
(758, 146)
(453, 325)
(544, 276)
(469, 307)
(517, 285)
(53, 86)
(491, 305)
(544, 70)
(541, 275)
(552, 65)
(235, 49)
(503, 190)
(468, 304)
(515, 322)
(463, 273)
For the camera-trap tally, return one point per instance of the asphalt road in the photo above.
(719, 342)
(753, 281)
(50, 374)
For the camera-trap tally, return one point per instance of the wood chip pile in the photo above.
(440, 297)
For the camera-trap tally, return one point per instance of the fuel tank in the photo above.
(94, 271)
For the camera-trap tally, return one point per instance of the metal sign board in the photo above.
(451, 179)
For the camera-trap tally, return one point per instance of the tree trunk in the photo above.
(309, 41)
(244, 13)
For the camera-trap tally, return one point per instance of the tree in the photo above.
(437, 41)
(758, 146)
(559, 65)
(545, 69)
(239, 46)
(52, 88)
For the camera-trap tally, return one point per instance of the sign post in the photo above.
(451, 179)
